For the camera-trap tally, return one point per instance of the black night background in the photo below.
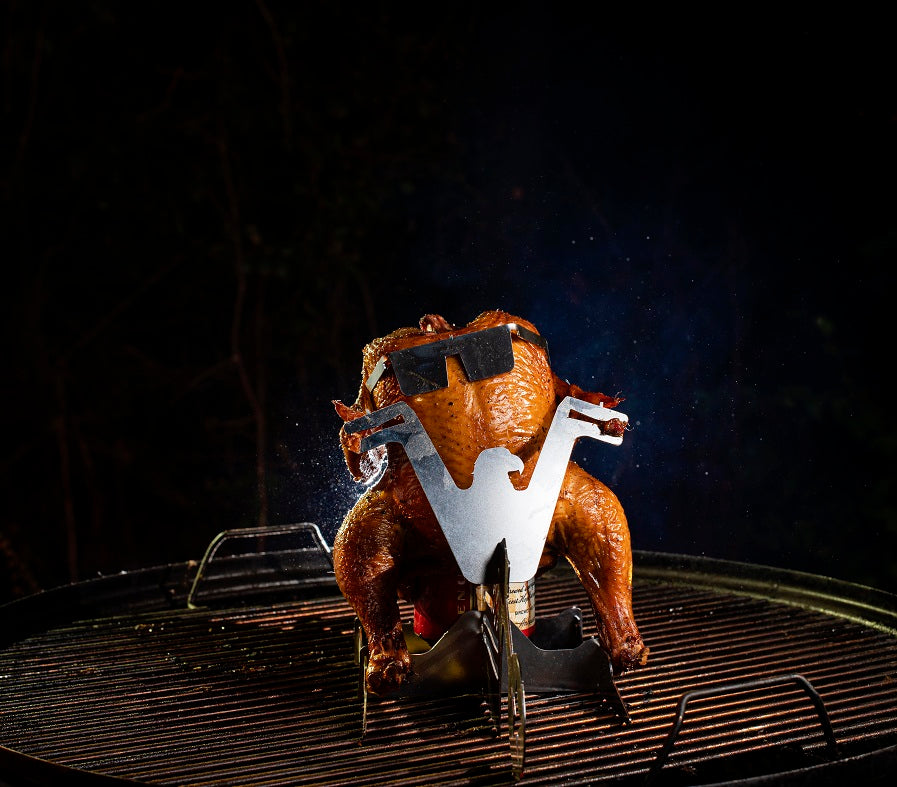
(207, 214)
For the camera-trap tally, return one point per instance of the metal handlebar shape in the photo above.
(475, 520)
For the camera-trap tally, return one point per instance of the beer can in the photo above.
(522, 605)
(446, 597)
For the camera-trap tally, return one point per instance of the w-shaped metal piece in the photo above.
(476, 519)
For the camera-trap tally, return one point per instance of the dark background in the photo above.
(208, 211)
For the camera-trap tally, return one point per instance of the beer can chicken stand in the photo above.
(464, 437)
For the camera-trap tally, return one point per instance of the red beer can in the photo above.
(448, 596)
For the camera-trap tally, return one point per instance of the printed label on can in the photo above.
(522, 605)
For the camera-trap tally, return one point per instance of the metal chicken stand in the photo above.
(497, 534)
(484, 651)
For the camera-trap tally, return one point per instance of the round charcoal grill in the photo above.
(756, 676)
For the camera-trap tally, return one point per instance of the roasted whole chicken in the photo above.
(390, 545)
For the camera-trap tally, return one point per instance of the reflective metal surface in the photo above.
(475, 520)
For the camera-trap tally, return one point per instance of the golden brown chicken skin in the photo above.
(390, 545)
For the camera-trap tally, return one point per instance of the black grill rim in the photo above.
(859, 603)
(167, 586)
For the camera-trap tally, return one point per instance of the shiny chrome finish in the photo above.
(475, 520)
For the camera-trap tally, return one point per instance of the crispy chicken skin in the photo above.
(390, 542)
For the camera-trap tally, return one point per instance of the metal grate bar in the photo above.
(268, 696)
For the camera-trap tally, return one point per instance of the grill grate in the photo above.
(267, 695)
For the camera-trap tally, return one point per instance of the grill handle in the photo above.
(731, 688)
(277, 558)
